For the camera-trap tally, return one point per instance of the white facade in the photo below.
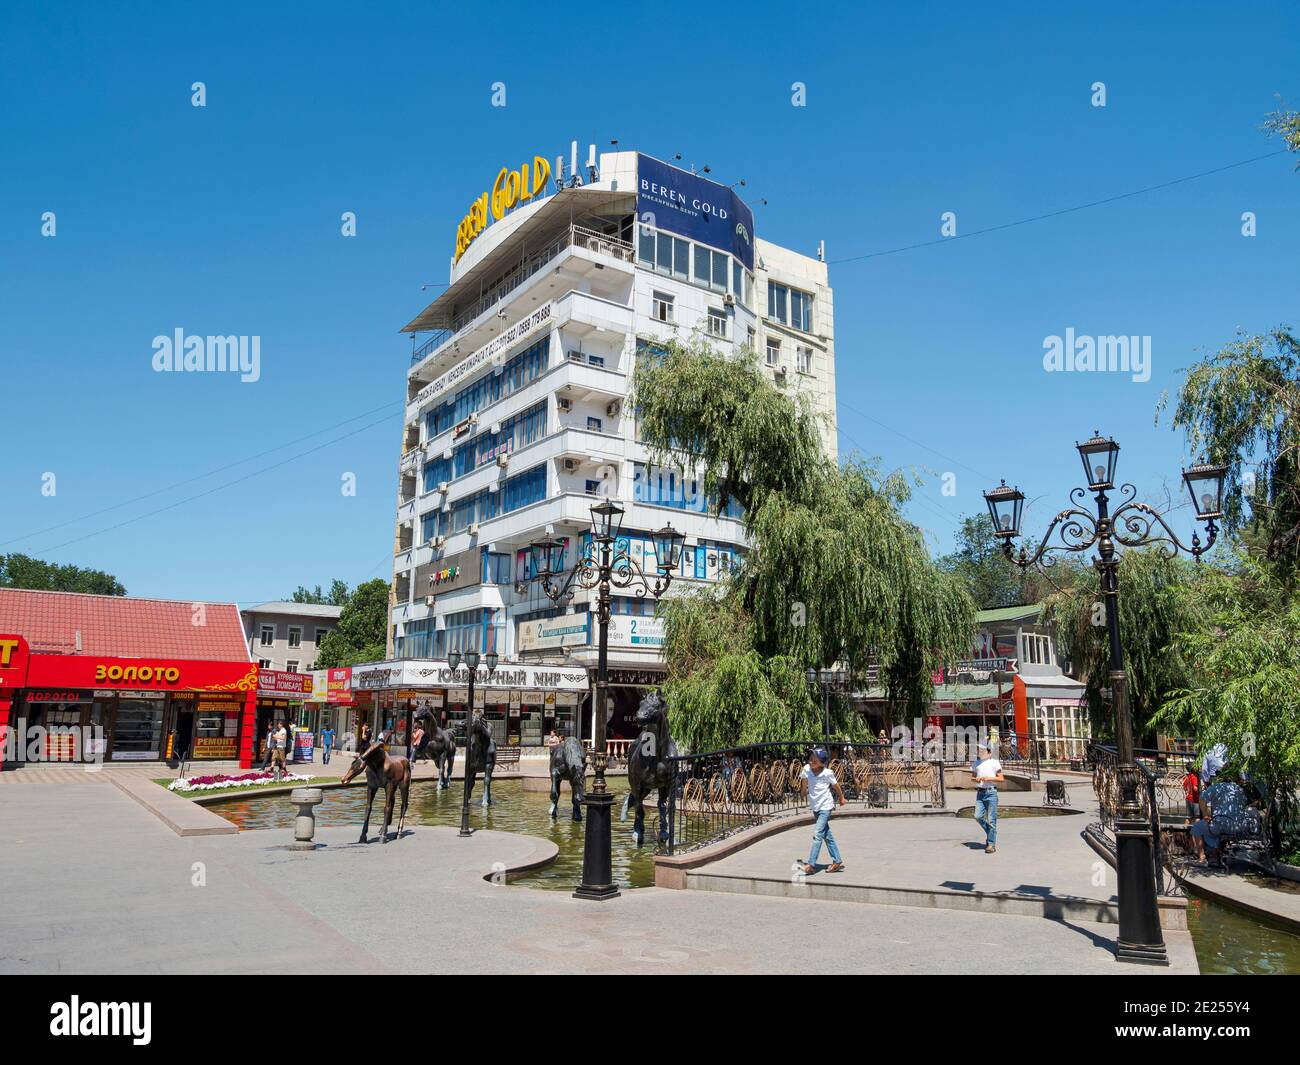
(551, 302)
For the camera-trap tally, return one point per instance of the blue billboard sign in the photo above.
(694, 207)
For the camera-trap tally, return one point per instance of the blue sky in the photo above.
(226, 220)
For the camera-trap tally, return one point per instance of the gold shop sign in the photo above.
(511, 188)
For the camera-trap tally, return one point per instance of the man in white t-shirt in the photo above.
(987, 774)
(823, 791)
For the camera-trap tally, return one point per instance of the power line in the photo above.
(197, 477)
(1057, 214)
(218, 488)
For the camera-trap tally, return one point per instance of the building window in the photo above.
(263, 663)
(320, 635)
(803, 359)
(662, 307)
(717, 323)
(750, 337)
(592, 488)
(773, 351)
(1036, 650)
(267, 635)
(295, 635)
(291, 665)
(801, 310)
(778, 297)
(595, 425)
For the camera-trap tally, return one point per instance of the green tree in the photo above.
(1243, 686)
(1285, 124)
(361, 634)
(1156, 605)
(336, 596)
(1241, 407)
(833, 573)
(991, 578)
(23, 571)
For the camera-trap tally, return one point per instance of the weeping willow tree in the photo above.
(1157, 602)
(833, 573)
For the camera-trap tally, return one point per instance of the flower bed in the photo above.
(246, 780)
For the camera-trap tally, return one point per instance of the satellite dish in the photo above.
(608, 475)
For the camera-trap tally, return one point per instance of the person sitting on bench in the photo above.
(1223, 816)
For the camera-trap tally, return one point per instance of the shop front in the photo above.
(520, 704)
(135, 709)
(284, 696)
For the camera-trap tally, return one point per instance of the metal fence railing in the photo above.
(721, 792)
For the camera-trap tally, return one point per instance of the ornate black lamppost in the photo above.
(603, 568)
(828, 680)
(471, 664)
(1132, 524)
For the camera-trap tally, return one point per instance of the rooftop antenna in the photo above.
(821, 251)
(559, 172)
(574, 179)
(741, 183)
(591, 162)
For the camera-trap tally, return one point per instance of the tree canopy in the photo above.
(336, 596)
(833, 572)
(23, 571)
(991, 578)
(361, 634)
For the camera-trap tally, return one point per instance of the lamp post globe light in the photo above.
(604, 568)
(471, 660)
(1131, 524)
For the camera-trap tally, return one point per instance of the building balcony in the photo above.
(578, 258)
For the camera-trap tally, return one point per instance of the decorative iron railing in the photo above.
(1160, 799)
(721, 792)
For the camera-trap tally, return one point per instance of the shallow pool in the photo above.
(1229, 941)
(512, 810)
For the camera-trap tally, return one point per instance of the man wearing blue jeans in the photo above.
(821, 785)
(987, 774)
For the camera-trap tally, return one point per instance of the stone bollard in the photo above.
(304, 826)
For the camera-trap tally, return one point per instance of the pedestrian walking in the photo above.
(278, 740)
(326, 743)
(823, 792)
(270, 744)
(987, 774)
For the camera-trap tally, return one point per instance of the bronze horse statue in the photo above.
(388, 773)
(648, 766)
(480, 756)
(439, 745)
(568, 762)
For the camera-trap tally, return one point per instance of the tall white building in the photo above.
(516, 417)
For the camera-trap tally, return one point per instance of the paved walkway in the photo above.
(96, 884)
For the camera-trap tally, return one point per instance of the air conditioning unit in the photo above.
(563, 403)
(439, 542)
(428, 600)
(503, 461)
(612, 410)
(571, 464)
(472, 419)
(473, 528)
(442, 487)
(495, 428)
(446, 452)
(728, 300)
